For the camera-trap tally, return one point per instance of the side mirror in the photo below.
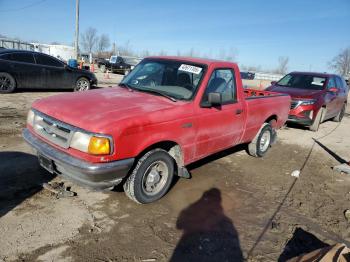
(333, 90)
(215, 99)
(273, 83)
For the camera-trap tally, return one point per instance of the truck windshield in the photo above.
(176, 79)
(303, 81)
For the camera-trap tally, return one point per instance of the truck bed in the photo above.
(252, 93)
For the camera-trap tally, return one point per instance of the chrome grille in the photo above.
(53, 130)
(294, 104)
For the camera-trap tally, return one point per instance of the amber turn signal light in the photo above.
(99, 146)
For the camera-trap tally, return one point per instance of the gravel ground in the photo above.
(234, 207)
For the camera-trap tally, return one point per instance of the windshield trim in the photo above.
(204, 66)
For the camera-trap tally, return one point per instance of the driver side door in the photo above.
(219, 127)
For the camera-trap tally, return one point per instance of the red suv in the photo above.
(316, 97)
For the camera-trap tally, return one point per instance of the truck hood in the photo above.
(296, 93)
(94, 110)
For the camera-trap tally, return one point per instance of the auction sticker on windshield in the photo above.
(190, 69)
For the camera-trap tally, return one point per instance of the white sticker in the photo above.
(190, 69)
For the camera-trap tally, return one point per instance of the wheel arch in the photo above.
(272, 120)
(173, 148)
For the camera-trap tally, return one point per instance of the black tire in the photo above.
(258, 147)
(340, 115)
(7, 83)
(82, 84)
(135, 186)
(318, 120)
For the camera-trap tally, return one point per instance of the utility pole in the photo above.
(76, 43)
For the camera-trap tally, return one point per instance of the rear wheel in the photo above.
(151, 178)
(318, 120)
(7, 83)
(82, 84)
(340, 115)
(262, 141)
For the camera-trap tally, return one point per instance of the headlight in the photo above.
(91, 144)
(30, 118)
(308, 102)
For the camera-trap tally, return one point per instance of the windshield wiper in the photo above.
(158, 93)
(126, 85)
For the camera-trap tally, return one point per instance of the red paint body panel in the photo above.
(138, 120)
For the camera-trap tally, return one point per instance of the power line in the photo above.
(24, 7)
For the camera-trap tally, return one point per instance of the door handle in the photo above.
(239, 111)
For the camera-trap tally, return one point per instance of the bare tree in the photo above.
(89, 39)
(145, 53)
(282, 65)
(103, 43)
(341, 62)
(126, 49)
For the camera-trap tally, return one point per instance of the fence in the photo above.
(15, 44)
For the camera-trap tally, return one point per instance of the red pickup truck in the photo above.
(167, 113)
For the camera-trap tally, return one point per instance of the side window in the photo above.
(47, 61)
(222, 81)
(339, 83)
(23, 57)
(331, 83)
(5, 56)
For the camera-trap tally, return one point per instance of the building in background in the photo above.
(62, 52)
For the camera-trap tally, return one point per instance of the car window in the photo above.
(5, 56)
(47, 61)
(339, 83)
(222, 81)
(331, 83)
(23, 57)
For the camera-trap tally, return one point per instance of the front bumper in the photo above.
(299, 120)
(94, 175)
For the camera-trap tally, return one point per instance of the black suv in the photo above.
(27, 69)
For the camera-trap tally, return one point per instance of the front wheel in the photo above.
(151, 178)
(262, 141)
(340, 115)
(83, 84)
(318, 120)
(7, 83)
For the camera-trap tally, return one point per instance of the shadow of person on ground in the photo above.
(301, 242)
(208, 235)
(20, 177)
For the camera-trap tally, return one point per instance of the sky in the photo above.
(257, 32)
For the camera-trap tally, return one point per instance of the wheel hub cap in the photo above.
(155, 178)
(265, 141)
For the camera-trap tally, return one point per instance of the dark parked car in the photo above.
(27, 69)
(316, 97)
(118, 64)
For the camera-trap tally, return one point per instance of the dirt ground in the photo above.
(234, 207)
